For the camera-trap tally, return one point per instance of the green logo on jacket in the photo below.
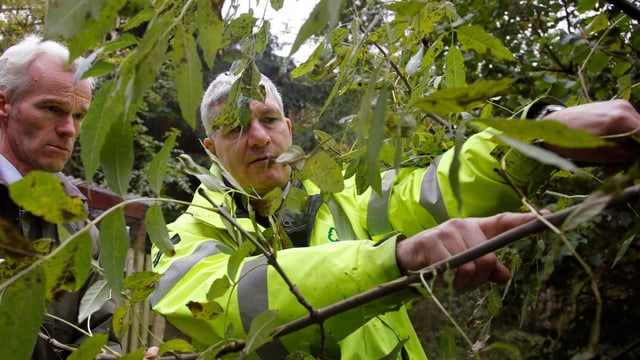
(332, 235)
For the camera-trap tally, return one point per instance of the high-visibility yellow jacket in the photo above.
(332, 267)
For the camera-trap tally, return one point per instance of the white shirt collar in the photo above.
(8, 172)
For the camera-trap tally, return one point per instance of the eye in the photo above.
(79, 116)
(231, 130)
(54, 109)
(270, 119)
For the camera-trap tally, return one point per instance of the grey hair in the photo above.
(15, 62)
(218, 91)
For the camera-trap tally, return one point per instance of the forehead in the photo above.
(51, 76)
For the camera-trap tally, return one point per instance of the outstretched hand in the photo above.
(617, 120)
(457, 235)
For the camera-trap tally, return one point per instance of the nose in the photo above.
(257, 134)
(67, 126)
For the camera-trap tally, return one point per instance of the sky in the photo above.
(285, 22)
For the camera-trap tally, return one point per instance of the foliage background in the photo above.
(574, 52)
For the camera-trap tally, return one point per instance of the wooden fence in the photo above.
(147, 328)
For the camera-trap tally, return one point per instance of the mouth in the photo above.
(265, 161)
(57, 148)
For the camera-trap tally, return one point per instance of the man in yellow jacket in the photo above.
(325, 263)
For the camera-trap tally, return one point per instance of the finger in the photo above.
(497, 224)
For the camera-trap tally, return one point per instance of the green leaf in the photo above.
(158, 165)
(494, 302)
(14, 246)
(116, 156)
(296, 200)
(96, 124)
(205, 311)
(114, 244)
(203, 174)
(452, 100)
(94, 31)
(157, 230)
(236, 259)
(260, 331)
(375, 140)
(219, 287)
(454, 168)
(21, 312)
(276, 4)
(142, 284)
(455, 75)
(175, 346)
(625, 246)
(68, 269)
(136, 354)
(262, 37)
(90, 347)
(187, 75)
(598, 23)
(325, 12)
(591, 207)
(552, 132)
(67, 18)
(294, 156)
(140, 69)
(504, 350)
(119, 317)
(308, 65)
(210, 28)
(475, 38)
(93, 299)
(323, 171)
(539, 154)
(41, 193)
(238, 29)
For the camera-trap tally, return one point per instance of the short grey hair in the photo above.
(15, 62)
(218, 91)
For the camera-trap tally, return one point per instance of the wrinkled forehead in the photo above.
(269, 105)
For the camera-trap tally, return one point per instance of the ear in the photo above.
(210, 145)
(5, 107)
(288, 122)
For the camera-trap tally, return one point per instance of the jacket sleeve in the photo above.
(414, 199)
(323, 274)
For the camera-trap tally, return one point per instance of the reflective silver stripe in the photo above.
(253, 300)
(180, 267)
(430, 194)
(343, 226)
(378, 207)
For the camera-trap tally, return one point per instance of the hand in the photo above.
(615, 117)
(455, 236)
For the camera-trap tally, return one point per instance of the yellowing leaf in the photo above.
(551, 132)
(323, 171)
(69, 268)
(21, 314)
(475, 38)
(41, 193)
(451, 100)
(205, 311)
